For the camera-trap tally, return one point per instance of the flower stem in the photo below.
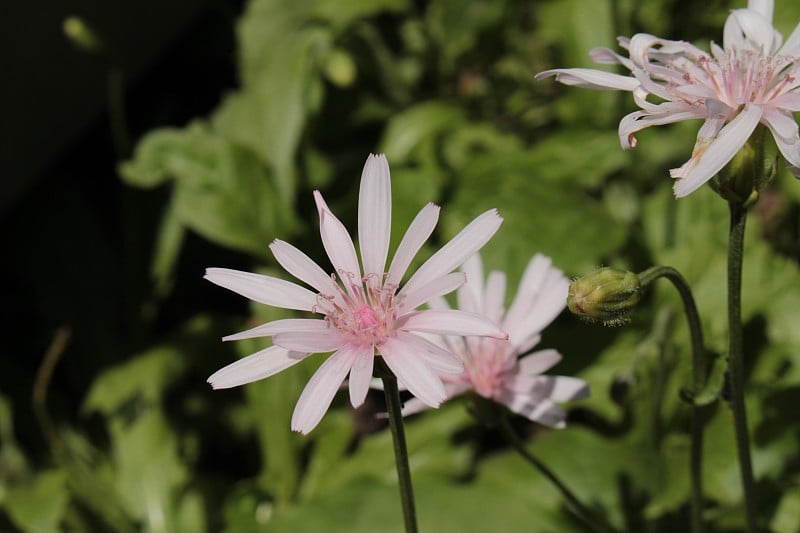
(699, 372)
(594, 522)
(736, 360)
(394, 408)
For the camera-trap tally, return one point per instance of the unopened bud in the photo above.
(340, 68)
(746, 174)
(82, 35)
(606, 295)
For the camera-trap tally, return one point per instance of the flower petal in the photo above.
(299, 265)
(337, 243)
(320, 390)
(360, 376)
(450, 322)
(298, 325)
(409, 368)
(710, 160)
(374, 214)
(468, 241)
(589, 78)
(495, 296)
(470, 296)
(538, 362)
(439, 359)
(785, 131)
(416, 235)
(544, 412)
(309, 341)
(257, 366)
(263, 289)
(438, 287)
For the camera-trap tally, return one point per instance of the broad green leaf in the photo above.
(146, 376)
(411, 127)
(39, 505)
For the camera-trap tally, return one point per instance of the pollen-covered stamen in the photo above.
(364, 311)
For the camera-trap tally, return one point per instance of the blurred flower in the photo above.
(363, 314)
(492, 367)
(750, 80)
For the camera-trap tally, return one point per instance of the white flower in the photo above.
(492, 367)
(361, 313)
(752, 79)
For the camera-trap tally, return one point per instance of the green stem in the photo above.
(394, 408)
(736, 360)
(594, 522)
(699, 372)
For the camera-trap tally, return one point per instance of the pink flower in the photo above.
(750, 80)
(492, 367)
(361, 313)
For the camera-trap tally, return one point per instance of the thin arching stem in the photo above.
(698, 381)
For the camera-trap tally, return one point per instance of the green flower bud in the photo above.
(82, 35)
(340, 68)
(746, 175)
(606, 295)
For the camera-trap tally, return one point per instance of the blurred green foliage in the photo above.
(446, 90)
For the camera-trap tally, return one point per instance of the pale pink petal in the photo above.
(704, 165)
(791, 48)
(588, 78)
(785, 131)
(538, 362)
(439, 359)
(554, 388)
(415, 405)
(565, 388)
(263, 289)
(374, 214)
(495, 296)
(438, 287)
(470, 297)
(311, 342)
(786, 102)
(337, 243)
(412, 371)
(257, 366)
(360, 376)
(416, 235)
(450, 322)
(530, 285)
(762, 7)
(468, 241)
(544, 412)
(299, 265)
(320, 390)
(749, 29)
(281, 326)
(639, 120)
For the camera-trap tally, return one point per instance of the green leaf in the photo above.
(149, 472)
(410, 128)
(145, 377)
(787, 516)
(39, 505)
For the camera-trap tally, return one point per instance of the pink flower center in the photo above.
(487, 366)
(736, 78)
(365, 312)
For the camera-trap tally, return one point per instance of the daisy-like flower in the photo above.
(493, 368)
(362, 314)
(752, 79)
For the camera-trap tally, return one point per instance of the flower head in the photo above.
(493, 368)
(750, 80)
(363, 309)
